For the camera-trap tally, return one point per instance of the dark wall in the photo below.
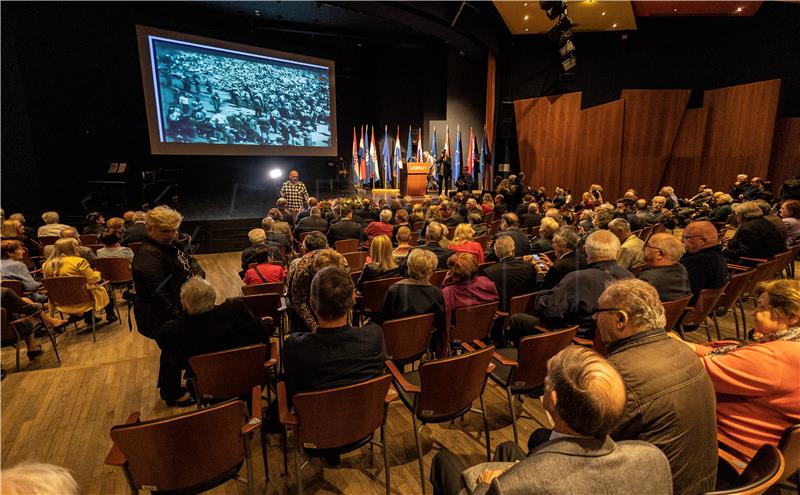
(73, 99)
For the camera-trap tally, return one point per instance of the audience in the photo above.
(510, 226)
(382, 263)
(670, 397)
(463, 287)
(258, 239)
(279, 240)
(403, 237)
(790, 215)
(756, 237)
(51, 227)
(71, 233)
(704, 262)
(345, 228)
(631, 250)
(201, 328)
(280, 224)
(14, 230)
(462, 242)
(95, 223)
(584, 396)
(265, 271)
(112, 247)
(568, 257)
(19, 309)
(662, 253)
(312, 222)
(756, 383)
(511, 276)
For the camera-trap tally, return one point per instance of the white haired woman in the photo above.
(756, 237)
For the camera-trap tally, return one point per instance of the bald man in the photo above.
(703, 260)
(585, 397)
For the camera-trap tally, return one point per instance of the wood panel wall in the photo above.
(683, 171)
(600, 149)
(785, 161)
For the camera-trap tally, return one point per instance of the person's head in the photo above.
(264, 254)
(666, 191)
(555, 215)
(109, 238)
(267, 224)
(163, 224)
(38, 479)
(315, 240)
(70, 232)
(11, 228)
(765, 207)
(474, 218)
(601, 245)
(463, 267)
(346, 212)
(281, 203)
(628, 307)
(19, 217)
(658, 202)
(50, 217)
(197, 296)
(565, 239)
(328, 257)
(275, 214)
(602, 218)
(641, 204)
(332, 294)
(464, 233)
(548, 227)
(294, 177)
(138, 217)
(380, 250)
(434, 232)
(314, 211)
(401, 216)
(67, 246)
(403, 235)
(366, 203)
(257, 236)
(778, 306)
(789, 209)
(421, 264)
(95, 217)
(472, 204)
(128, 216)
(504, 247)
(620, 228)
(584, 392)
(747, 211)
(723, 199)
(663, 250)
(386, 216)
(12, 250)
(741, 178)
(698, 236)
(312, 202)
(509, 220)
(756, 181)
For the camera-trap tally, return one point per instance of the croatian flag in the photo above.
(362, 162)
(387, 162)
(457, 156)
(419, 146)
(447, 141)
(355, 157)
(373, 155)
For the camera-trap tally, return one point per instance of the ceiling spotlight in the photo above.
(525, 4)
(275, 173)
(526, 17)
(602, 13)
(257, 12)
(739, 9)
(674, 10)
(614, 25)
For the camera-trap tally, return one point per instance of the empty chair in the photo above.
(188, 453)
(697, 315)
(521, 370)
(268, 288)
(373, 294)
(763, 471)
(442, 390)
(731, 298)
(674, 309)
(337, 420)
(347, 245)
(356, 260)
(407, 339)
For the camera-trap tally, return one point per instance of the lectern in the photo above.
(414, 179)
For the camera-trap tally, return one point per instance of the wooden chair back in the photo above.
(473, 322)
(356, 260)
(449, 386)
(451, 233)
(790, 448)
(354, 276)
(190, 452)
(268, 288)
(413, 239)
(67, 291)
(763, 271)
(87, 239)
(483, 240)
(417, 226)
(737, 284)
(229, 374)
(763, 471)
(12, 284)
(533, 353)
(674, 309)
(407, 339)
(347, 245)
(705, 303)
(263, 305)
(782, 261)
(523, 303)
(94, 247)
(134, 246)
(373, 293)
(494, 226)
(115, 270)
(437, 278)
(48, 240)
(489, 216)
(341, 416)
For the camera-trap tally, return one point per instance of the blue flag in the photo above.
(457, 156)
(387, 169)
(484, 153)
(434, 154)
(409, 152)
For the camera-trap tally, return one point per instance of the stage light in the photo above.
(275, 173)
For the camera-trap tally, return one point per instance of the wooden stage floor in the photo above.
(62, 415)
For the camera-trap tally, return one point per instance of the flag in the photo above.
(387, 162)
(457, 156)
(434, 152)
(471, 152)
(409, 153)
(398, 157)
(355, 157)
(373, 155)
(447, 141)
(419, 145)
(362, 162)
(484, 154)
(370, 173)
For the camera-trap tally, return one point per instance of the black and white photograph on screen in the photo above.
(213, 96)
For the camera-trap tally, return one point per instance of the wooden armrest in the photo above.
(734, 462)
(27, 317)
(407, 386)
(500, 314)
(735, 448)
(286, 417)
(542, 329)
(738, 268)
(468, 347)
(256, 412)
(581, 341)
(38, 270)
(479, 344)
(115, 456)
(722, 343)
(273, 355)
(504, 360)
(391, 395)
(104, 282)
(754, 260)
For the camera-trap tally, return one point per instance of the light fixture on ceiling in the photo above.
(602, 13)
(614, 25)
(525, 4)
(257, 12)
(526, 30)
(674, 10)
(526, 17)
(739, 9)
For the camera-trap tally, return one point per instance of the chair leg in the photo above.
(735, 320)
(417, 435)
(716, 325)
(16, 347)
(248, 459)
(285, 442)
(513, 414)
(94, 324)
(297, 466)
(744, 321)
(708, 331)
(385, 448)
(264, 441)
(486, 431)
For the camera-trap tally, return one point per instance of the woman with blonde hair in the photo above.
(65, 262)
(488, 203)
(14, 230)
(462, 242)
(382, 265)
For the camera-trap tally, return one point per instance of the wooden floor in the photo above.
(62, 415)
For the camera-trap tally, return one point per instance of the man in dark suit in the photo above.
(568, 257)
(532, 217)
(304, 213)
(312, 222)
(366, 213)
(137, 231)
(282, 205)
(704, 261)
(433, 238)
(579, 456)
(345, 228)
(510, 226)
(511, 276)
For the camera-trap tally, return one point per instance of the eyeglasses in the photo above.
(596, 310)
(685, 237)
(653, 247)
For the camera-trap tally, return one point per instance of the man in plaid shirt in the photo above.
(294, 192)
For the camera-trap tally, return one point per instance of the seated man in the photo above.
(571, 301)
(671, 401)
(510, 226)
(311, 223)
(433, 238)
(137, 231)
(337, 353)
(345, 228)
(756, 236)
(381, 227)
(203, 328)
(568, 256)
(631, 249)
(704, 262)
(662, 254)
(585, 397)
(511, 276)
(277, 239)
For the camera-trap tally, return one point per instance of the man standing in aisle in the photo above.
(294, 191)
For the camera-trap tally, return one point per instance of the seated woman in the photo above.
(20, 307)
(264, 272)
(462, 242)
(14, 230)
(488, 204)
(756, 383)
(65, 262)
(12, 267)
(383, 264)
(302, 272)
(403, 246)
(112, 248)
(415, 295)
(790, 215)
(462, 288)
